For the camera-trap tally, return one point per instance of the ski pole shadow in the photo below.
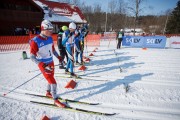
(101, 88)
(131, 65)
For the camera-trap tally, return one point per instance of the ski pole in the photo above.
(118, 61)
(109, 42)
(38, 69)
(86, 47)
(33, 70)
(21, 84)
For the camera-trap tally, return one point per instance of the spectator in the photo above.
(120, 35)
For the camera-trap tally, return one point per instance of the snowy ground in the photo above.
(153, 76)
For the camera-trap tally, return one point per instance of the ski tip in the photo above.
(109, 114)
(94, 103)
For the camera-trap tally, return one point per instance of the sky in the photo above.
(158, 6)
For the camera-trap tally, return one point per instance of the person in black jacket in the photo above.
(120, 35)
(62, 49)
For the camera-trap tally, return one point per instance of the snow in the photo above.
(152, 75)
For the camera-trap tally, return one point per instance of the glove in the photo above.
(60, 59)
(42, 65)
(60, 51)
(81, 43)
(45, 67)
(78, 34)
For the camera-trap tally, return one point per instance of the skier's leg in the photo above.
(120, 43)
(76, 56)
(48, 93)
(70, 57)
(55, 97)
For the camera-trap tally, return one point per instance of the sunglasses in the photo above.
(50, 30)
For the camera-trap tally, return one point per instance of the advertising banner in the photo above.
(175, 42)
(144, 41)
(155, 42)
(135, 41)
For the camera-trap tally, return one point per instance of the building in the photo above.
(60, 13)
(130, 31)
(18, 17)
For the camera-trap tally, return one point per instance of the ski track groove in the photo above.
(121, 110)
(165, 74)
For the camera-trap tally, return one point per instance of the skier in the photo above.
(41, 50)
(62, 48)
(83, 33)
(120, 35)
(68, 40)
(78, 46)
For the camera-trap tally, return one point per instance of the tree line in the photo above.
(122, 14)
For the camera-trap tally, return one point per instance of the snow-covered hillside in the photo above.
(152, 76)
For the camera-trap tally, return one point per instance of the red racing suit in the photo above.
(41, 51)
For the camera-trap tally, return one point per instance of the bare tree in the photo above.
(121, 18)
(135, 9)
(112, 9)
(112, 6)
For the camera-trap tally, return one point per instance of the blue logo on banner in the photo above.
(126, 41)
(155, 42)
(137, 41)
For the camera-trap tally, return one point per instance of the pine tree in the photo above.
(173, 24)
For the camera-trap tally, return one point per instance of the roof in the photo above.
(60, 12)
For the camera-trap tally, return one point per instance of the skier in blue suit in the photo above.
(78, 50)
(68, 39)
(83, 33)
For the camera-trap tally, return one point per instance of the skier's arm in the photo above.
(56, 54)
(33, 51)
(59, 42)
(66, 37)
(86, 33)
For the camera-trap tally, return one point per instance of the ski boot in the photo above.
(72, 75)
(67, 72)
(77, 63)
(59, 104)
(48, 94)
(61, 66)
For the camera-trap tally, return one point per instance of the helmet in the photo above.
(46, 25)
(72, 25)
(121, 30)
(64, 28)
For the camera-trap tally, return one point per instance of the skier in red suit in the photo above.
(41, 52)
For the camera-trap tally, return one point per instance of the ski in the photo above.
(74, 76)
(74, 109)
(79, 77)
(62, 99)
(67, 76)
